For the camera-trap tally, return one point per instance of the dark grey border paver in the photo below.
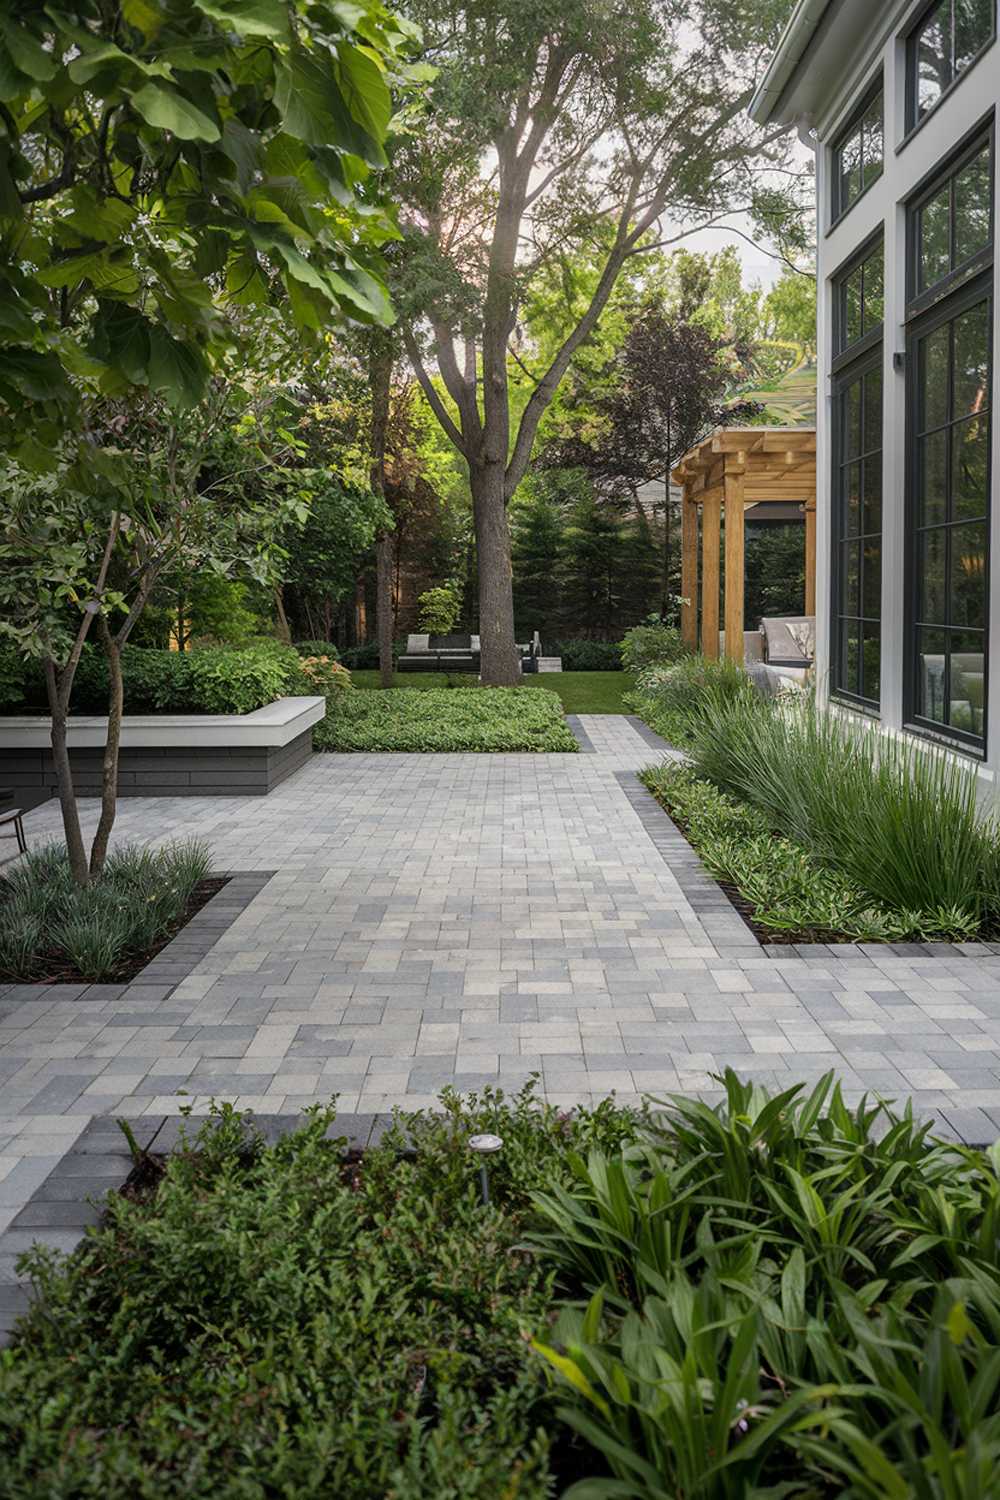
(580, 734)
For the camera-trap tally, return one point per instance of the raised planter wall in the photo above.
(168, 755)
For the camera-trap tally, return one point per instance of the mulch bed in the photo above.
(130, 968)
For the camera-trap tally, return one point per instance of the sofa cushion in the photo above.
(790, 640)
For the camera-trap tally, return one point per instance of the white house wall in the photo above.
(883, 206)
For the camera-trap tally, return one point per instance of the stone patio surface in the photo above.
(472, 920)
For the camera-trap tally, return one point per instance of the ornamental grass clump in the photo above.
(52, 928)
(779, 1296)
(898, 820)
(673, 697)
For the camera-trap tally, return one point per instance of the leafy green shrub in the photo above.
(317, 648)
(323, 674)
(237, 682)
(276, 1322)
(439, 609)
(896, 820)
(48, 925)
(587, 656)
(480, 719)
(788, 890)
(651, 645)
(782, 1297)
(209, 679)
(671, 699)
(12, 678)
(365, 657)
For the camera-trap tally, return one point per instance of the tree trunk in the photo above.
(385, 560)
(58, 694)
(112, 741)
(282, 630)
(500, 659)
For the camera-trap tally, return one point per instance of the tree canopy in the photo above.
(163, 161)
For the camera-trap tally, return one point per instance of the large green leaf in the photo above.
(28, 54)
(314, 109)
(178, 371)
(364, 89)
(168, 110)
(248, 17)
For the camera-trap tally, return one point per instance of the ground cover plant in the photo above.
(280, 1321)
(53, 929)
(897, 821)
(579, 692)
(478, 719)
(779, 1297)
(780, 889)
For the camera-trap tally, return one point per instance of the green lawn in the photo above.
(581, 692)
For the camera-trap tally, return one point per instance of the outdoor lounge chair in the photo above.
(789, 643)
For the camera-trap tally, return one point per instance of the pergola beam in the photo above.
(739, 467)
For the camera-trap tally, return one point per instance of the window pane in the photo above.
(968, 575)
(852, 578)
(872, 433)
(872, 514)
(853, 326)
(850, 655)
(972, 358)
(871, 138)
(849, 171)
(932, 460)
(852, 499)
(970, 447)
(931, 564)
(873, 291)
(973, 28)
(930, 675)
(871, 580)
(871, 651)
(967, 681)
(935, 359)
(852, 420)
(935, 230)
(932, 57)
(972, 207)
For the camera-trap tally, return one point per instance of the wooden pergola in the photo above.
(738, 468)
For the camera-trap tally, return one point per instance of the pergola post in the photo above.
(810, 514)
(689, 571)
(733, 482)
(710, 517)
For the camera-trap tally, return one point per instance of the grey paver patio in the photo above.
(474, 919)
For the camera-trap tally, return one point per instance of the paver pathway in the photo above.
(474, 919)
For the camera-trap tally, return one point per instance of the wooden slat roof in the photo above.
(777, 463)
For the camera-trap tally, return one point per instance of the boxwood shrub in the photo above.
(479, 719)
(586, 656)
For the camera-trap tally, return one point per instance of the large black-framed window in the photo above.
(949, 419)
(857, 152)
(951, 225)
(857, 530)
(946, 41)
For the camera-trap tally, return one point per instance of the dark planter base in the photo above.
(247, 771)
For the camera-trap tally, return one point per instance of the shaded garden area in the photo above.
(777, 1292)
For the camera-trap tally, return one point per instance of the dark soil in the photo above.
(58, 971)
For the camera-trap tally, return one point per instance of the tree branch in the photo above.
(433, 399)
